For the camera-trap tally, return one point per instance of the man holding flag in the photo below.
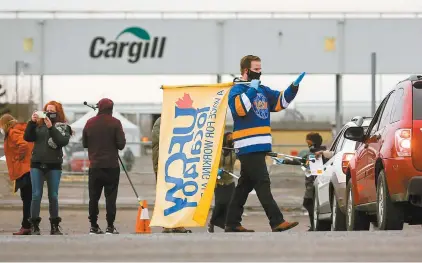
(251, 106)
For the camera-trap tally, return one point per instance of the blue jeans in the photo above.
(53, 181)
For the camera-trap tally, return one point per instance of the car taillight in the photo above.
(345, 161)
(403, 139)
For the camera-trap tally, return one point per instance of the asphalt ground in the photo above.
(294, 245)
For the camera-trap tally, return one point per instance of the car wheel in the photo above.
(319, 225)
(390, 215)
(338, 218)
(355, 220)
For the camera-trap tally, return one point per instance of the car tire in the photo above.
(338, 218)
(319, 225)
(355, 220)
(390, 216)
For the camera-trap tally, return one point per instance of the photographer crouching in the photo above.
(103, 136)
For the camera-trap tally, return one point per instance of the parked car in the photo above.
(384, 179)
(79, 161)
(330, 187)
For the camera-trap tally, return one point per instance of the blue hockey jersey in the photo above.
(251, 115)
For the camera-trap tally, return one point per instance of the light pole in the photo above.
(20, 66)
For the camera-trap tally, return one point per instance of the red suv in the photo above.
(384, 178)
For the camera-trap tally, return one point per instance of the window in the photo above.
(340, 143)
(338, 139)
(417, 104)
(385, 117)
(397, 112)
(373, 127)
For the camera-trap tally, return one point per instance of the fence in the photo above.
(75, 159)
(74, 186)
(287, 181)
(326, 110)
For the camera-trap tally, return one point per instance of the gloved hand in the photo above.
(255, 83)
(220, 173)
(279, 161)
(303, 160)
(299, 79)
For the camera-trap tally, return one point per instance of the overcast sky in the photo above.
(217, 5)
(145, 89)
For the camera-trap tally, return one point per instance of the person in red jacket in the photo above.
(103, 136)
(18, 159)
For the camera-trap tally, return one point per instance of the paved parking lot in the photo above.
(294, 245)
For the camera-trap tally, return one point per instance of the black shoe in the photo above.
(181, 230)
(166, 230)
(111, 230)
(237, 229)
(35, 226)
(210, 228)
(55, 226)
(95, 230)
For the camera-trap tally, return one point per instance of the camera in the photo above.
(51, 115)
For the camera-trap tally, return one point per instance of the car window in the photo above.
(373, 127)
(397, 111)
(417, 104)
(385, 117)
(340, 135)
(340, 142)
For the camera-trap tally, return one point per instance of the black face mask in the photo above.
(315, 148)
(52, 116)
(253, 75)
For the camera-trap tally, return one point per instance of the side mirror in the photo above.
(356, 134)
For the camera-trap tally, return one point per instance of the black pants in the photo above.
(253, 175)
(223, 196)
(99, 178)
(308, 203)
(25, 187)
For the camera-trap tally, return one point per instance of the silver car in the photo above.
(330, 186)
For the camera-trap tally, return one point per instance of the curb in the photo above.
(135, 206)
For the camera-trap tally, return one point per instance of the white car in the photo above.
(330, 186)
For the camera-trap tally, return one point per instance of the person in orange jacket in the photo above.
(18, 159)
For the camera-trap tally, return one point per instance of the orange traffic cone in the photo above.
(143, 220)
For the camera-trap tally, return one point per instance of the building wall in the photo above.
(325, 46)
(289, 136)
(295, 140)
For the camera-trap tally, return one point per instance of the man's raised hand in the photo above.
(299, 79)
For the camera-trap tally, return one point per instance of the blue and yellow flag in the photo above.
(191, 136)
